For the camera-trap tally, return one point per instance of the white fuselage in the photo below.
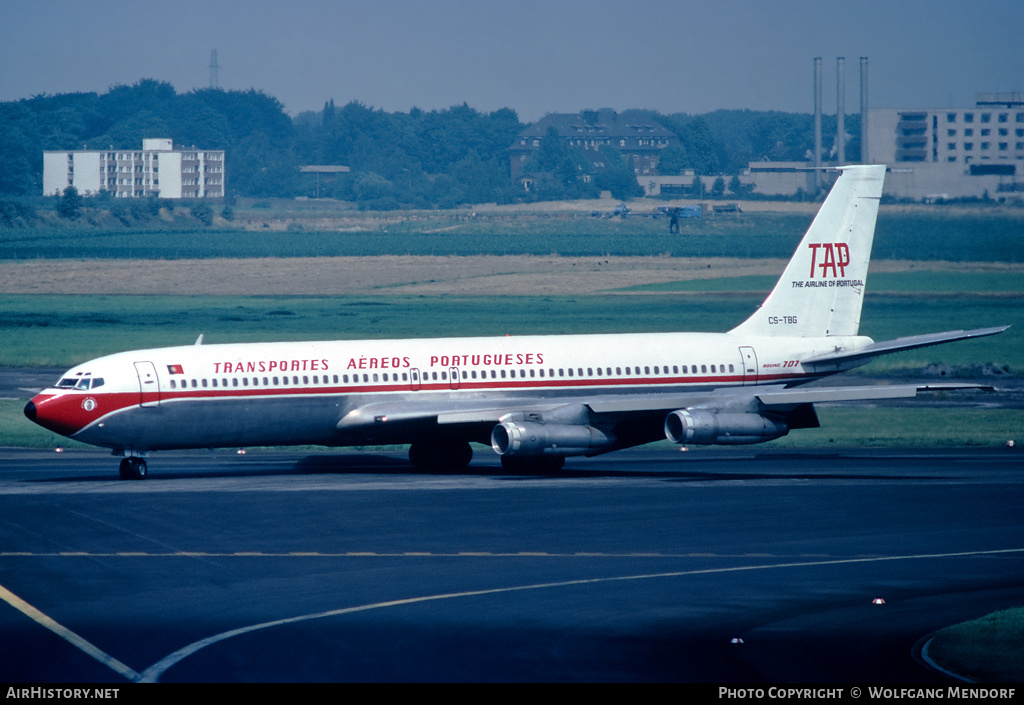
(298, 393)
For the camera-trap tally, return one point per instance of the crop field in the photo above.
(996, 236)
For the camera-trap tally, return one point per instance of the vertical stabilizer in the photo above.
(822, 289)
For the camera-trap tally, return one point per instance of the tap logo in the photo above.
(834, 257)
(88, 403)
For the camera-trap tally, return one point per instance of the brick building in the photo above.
(639, 138)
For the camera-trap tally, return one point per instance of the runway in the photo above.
(724, 566)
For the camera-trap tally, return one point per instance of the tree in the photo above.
(696, 189)
(203, 213)
(69, 205)
(739, 188)
(672, 160)
(718, 188)
(617, 175)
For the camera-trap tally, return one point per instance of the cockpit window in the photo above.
(81, 383)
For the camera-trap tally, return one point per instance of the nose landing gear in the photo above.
(133, 468)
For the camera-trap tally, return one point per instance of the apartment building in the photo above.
(952, 152)
(158, 169)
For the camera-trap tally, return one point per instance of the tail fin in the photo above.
(822, 289)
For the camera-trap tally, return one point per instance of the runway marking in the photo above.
(399, 554)
(454, 554)
(153, 673)
(66, 634)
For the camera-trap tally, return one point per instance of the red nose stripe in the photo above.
(69, 413)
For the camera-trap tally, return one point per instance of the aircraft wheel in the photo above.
(443, 456)
(459, 455)
(553, 463)
(533, 465)
(133, 469)
(418, 455)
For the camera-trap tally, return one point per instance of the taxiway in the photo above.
(739, 565)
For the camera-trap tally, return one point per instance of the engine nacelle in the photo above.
(706, 427)
(526, 438)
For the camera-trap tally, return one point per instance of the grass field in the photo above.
(60, 330)
(988, 650)
(53, 330)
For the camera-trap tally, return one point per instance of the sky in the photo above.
(534, 56)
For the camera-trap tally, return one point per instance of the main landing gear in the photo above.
(133, 468)
(453, 455)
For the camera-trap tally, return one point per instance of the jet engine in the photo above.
(709, 427)
(527, 438)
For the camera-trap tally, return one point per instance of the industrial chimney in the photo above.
(863, 110)
(817, 124)
(840, 110)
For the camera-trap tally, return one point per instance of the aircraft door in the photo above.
(453, 377)
(414, 379)
(748, 360)
(149, 384)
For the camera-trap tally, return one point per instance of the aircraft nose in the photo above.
(61, 413)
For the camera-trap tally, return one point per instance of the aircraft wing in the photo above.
(766, 398)
(437, 411)
(898, 345)
(811, 395)
(447, 412)
(613, 408)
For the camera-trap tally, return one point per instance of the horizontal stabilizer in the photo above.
(900, 344)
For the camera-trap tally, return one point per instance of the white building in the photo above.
(951, 152)
(157, 170)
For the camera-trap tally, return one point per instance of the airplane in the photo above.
(534, 400)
